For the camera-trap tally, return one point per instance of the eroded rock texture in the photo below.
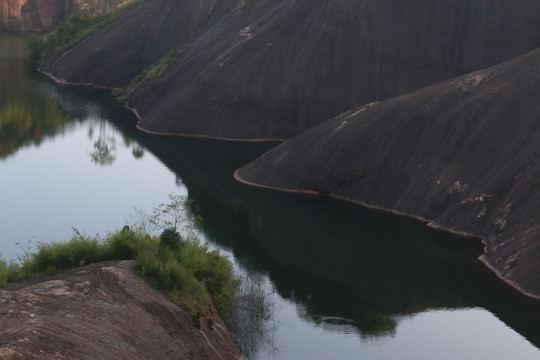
(103, 311)
(463, 154)
(270, 69)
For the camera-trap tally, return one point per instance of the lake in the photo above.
(345, 282)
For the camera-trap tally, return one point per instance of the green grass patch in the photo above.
(193, 276)
(8, 272)
(152, 72)
(46, 49)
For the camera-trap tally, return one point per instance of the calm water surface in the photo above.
(346, 283)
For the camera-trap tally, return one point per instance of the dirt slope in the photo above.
(103, 311)
(463, 154)
(260, 69)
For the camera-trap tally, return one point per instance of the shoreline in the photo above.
(429, 223)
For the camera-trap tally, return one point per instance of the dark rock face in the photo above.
(36, 15)
(270, 69)
(113, 56)
(103, 311)
(463, 154)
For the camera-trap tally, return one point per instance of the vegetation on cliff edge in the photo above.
(46, 49)
(191, 274)
(152, 72)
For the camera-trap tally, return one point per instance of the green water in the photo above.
(346, 283)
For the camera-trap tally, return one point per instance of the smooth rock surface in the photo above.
(463, 154)
(269, 69)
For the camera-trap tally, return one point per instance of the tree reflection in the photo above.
(137, 151)
(252, 322)
(346, 269)
(104, 147)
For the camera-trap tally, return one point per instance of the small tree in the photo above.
(175, 215)
(171, 238)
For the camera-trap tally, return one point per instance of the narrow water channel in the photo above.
(346, 283)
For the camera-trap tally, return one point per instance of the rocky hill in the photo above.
(269, 69)
(463, 155)
(34, 15)
(103, 311)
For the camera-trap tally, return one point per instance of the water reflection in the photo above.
(348, 269)
(26, 117)
(104, 152)
(31, 109)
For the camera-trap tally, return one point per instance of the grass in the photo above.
(152, 72)
(192, 276)
(8, 272)
(45, 49)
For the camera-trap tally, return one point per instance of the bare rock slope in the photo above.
(103, 311)
(463, 154)
(269, 69)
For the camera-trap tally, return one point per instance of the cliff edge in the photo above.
(103, 311)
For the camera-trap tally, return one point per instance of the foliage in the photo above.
(152, 72)
(47, 48)
(251, 319)
(171, 238)
(36, 45)
(58, 256)
(192, 275)
(176, 214)
(8, 272)
(126, 244)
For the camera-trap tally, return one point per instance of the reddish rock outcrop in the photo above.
(36, 15)
(39, 15)
(103, 311)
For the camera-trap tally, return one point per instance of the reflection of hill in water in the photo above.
(349, 269)
(25, 116)
(31, 107)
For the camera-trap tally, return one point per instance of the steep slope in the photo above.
(113, 56)
(264, 69)
(463, 154)
(34, 15)
(103, 311)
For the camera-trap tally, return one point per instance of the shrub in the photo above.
(214, 270)
(46, 49)
(58, 256)
(171, 238)
(8, 273)
(36, 44)
(187, 271)
(126, 244)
